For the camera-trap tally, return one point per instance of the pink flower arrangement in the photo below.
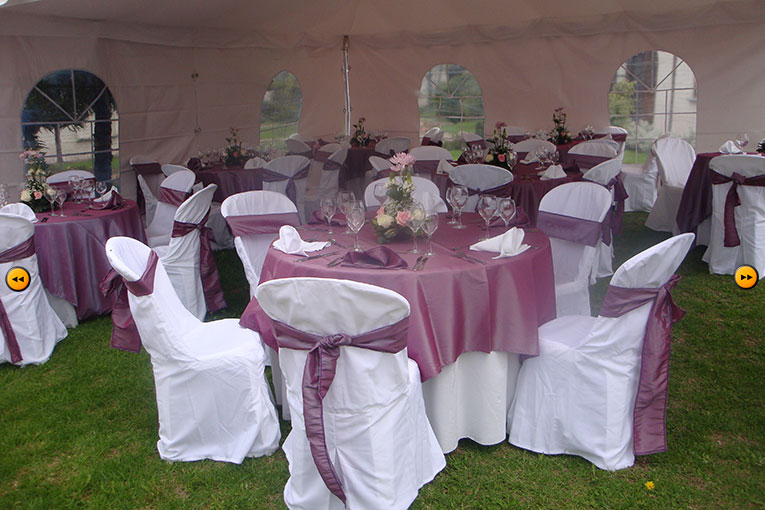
(499, 125)
(402, 217)
(401, 160)
(501, 157)
(37, 195)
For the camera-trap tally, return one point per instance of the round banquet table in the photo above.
(71, 256)
(469, 321)
(230, 180)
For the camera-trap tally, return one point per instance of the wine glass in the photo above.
(381, 192)
(3, 196)
(506, 209)
(487, 207)
(429, 226)
(742, 140)
(74, 184)
(60, 199)
(101, 188)
(450, 201)
(345, 200)
(329, 209)
(459, 199)
(50, 196)
(414, 221)
(355, 218)
(87, 188)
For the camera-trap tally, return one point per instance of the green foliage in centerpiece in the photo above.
(360, 136)
(500, 152)
(233, 153)
(391, 218)
(36, 188)
(560, 133)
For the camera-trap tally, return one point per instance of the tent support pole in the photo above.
(346, 71)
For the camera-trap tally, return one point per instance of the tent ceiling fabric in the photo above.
(376, 23)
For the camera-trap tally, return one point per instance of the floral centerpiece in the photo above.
(588, 133)
(560, 133)
(36, 187)
(233, 153)
(500, 151)
(390, 220)
(761, 147)
(360, 136)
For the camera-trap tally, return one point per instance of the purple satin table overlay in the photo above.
(320, 367)
(572, 229)
(231, 180)
(125, 334)
(248, 224)
(208, 270)
(70, 252)
(457, 305)
(732, 200)
(12, 254)
(650, 428)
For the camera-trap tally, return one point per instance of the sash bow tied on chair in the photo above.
(649, 424)
(620, 195)
(319, 372)
(12, 254)
(732, 200)
(273, 176)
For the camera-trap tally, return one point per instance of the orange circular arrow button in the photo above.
(746, 277)
(17, 279)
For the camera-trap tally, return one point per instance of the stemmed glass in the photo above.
(429, 226)
(459, 199)
(3, 196)
(60, 199)
(329, 209)
(50, 196)
(101, 188)
(345, 199)
(414, 221)
(87, 188)
(355, 218)
(487, 207)
(450, 201)
(742, 140)
(506, 209)
(74, 186)
(381, 192)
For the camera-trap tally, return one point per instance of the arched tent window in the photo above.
(653, 93)
(72, 116)
(451, 99)
(280, 112)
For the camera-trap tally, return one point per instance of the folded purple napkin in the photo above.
(338, 220)
(115, 201)
(379, 257)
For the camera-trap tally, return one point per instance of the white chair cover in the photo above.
(181, 256)
(289, 165)
(153, 181)
(149, 199)
(515, 130)
(577, 397)
(379, 164)
(256, 162)
(606, 148)
(573, 262)
(532, 145)
(297, 147)
(468, 137)
(675, 159)
(158, 231)
(63, 177)
(616, 130)
(169, 170)
(19, 209)
(749, 217)
(223, 238)
(421, 187)
(479, 177)
(212, 395)
(395, 144)
(641, 183)
(430, 153)
(35, 325)
(604, 173)
(378, 436)
(301, 137)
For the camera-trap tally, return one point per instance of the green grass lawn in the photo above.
(80, 431)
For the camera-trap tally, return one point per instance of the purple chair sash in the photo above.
(125, 333)
(426, 166)
(20, 251)
(584, 161)
(577, 230)
(620, 195)
(273, 176)
(147, 168)
(208, 270)
(331, 166)
(322, 156)
(172, 196)
(732, 200)
(649, 420)
(194, 164)
(490, 191)
(427, 141)
(307, 154)
(516, 138)
(247, 224)
(319, 372)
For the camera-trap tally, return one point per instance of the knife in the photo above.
(312, 257)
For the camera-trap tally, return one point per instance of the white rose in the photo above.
(26, 196)
(385, 220)
(418, 214)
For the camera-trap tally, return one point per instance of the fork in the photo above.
(421, 266)
(417, 263)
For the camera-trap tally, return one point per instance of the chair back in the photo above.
(330, 173)
(169, 170)
(391, 146)
(515, 131)
(288, 166)
(19, 209)
(178, 184)
(421, 186)
(603, 173)
(675, 158)
(533, 144)
(297, 147)
(149, 199)
(63, 177)
(253, 248)
(301, 137)
(469, 137)
(605, 148)
(193, 211)
(430, 153)
(160, 317)
(329, 147)
(256, 162)
(140, 159)
(479, 177)
(379, 164)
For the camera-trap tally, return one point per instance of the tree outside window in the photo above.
(653, 93)
(450, 98)
(280, 112)
(72, 116)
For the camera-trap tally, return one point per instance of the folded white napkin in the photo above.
(289, 241)
(730, 147)
(106, 196)
(444, 167)
(531, 157)
(508, 244)
(554, 172)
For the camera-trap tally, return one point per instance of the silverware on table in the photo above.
(335, 262)
(312, 257)
(417, 263)
(465, 256)
(422, 263)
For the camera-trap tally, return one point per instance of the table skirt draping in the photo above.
(71, 256)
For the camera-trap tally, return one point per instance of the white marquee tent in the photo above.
(183, 71)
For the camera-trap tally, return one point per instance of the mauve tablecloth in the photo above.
(457, 306)
(230, 180)
(71, 256)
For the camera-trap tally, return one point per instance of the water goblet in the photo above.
(414, 221)
(487, 207)
(329, 209)
(355, 218)
(429, 226)
(742, 140)
(506, 209)
(87, 188)
(74, 182)
(459, 198)
(50, 196)
(101, 188)
(60, 199)
(345, 200)
(450, 201)
(381, 192)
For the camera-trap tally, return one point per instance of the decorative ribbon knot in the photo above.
(732, 200)
(334, 341)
